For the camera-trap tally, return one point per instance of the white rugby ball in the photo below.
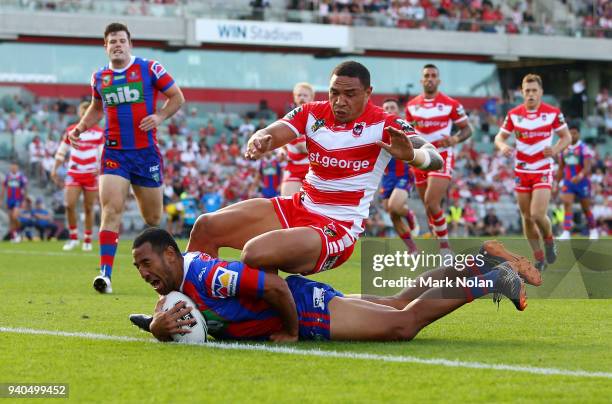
(199, 330)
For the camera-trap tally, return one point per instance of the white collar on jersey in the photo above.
(187, 259)
(132, 59)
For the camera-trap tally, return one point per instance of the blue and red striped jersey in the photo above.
(15, 186)
(229, 295)
(129, 95)
(398, 168)
(574, 158)
(271, 174)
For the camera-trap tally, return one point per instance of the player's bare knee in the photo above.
(207, 225)
(253, 255)
(153, 219)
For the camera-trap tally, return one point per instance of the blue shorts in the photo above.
(582, 190)
(143, 167)
(312, 302)
(390, 182)
(13, 203)
(269, 193)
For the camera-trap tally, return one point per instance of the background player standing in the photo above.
(396, 183)
(82, 175)
(14, 189)
(433, 115)
(533, 124)
(573, 178)
(297, 155)
(126, 92)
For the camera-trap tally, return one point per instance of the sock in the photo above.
(548, 240)
(108, 247)
(407, 238)
(410, 219)
(538, 255)
(74, 233)
(440, 229)
(474, 292)
(567, 221)
(590, 219)
(87, 237)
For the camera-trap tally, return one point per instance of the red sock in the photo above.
(407, 238)
(87, 237)
(74, 233)
(538, 255)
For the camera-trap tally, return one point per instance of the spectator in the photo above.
(43, 221)
(491, 224)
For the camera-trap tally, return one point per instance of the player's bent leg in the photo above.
(150, 203)
(437, 188)
(530, 229)
(585, 203)
(90, 198)
(296, 250)
(233, 226)
(397, 202)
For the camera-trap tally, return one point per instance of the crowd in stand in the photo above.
(205, 170)
(590, 17)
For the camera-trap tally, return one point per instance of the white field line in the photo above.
(330, 354)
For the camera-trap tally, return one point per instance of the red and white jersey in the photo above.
(295, 154)
(533, 131)
(86, 158)
(433, 118)
(346, 164)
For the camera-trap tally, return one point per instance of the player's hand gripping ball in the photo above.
(199, 330)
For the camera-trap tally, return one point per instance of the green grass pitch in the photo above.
(43, 288)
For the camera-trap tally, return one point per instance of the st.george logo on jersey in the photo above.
(224, 283)
(123, 94)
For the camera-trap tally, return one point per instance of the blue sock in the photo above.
(479, 286)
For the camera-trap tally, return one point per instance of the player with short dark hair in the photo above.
(126, 92)
(349, 141)
(433, 115)
(240, 302)
(533, 124)
(573, 178)
(395, 187)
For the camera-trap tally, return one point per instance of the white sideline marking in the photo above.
(329, 354)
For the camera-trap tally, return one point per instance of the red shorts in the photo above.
(527, 182)
(89, 182)
(446, 171)
(295, 172)
(336, 243)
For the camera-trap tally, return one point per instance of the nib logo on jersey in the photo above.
(123, 94)
(341, 163)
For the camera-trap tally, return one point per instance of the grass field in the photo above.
(478, 353)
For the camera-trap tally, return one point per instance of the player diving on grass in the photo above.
(349, 142)
(239, 302)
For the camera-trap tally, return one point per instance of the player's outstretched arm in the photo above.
(414, 150)
(269, 138)
(91, 117)
(277, 294)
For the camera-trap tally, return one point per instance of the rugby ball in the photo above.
(199, 330)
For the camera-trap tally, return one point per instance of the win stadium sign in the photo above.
(271, 33)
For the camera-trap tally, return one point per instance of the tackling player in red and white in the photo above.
(350, 142)
(297, 155)
(83, 167)
(433, 115)
(533, 125)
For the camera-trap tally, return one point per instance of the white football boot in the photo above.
(593, 234)
(566, 235)
(102, 284)
(70, 245)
